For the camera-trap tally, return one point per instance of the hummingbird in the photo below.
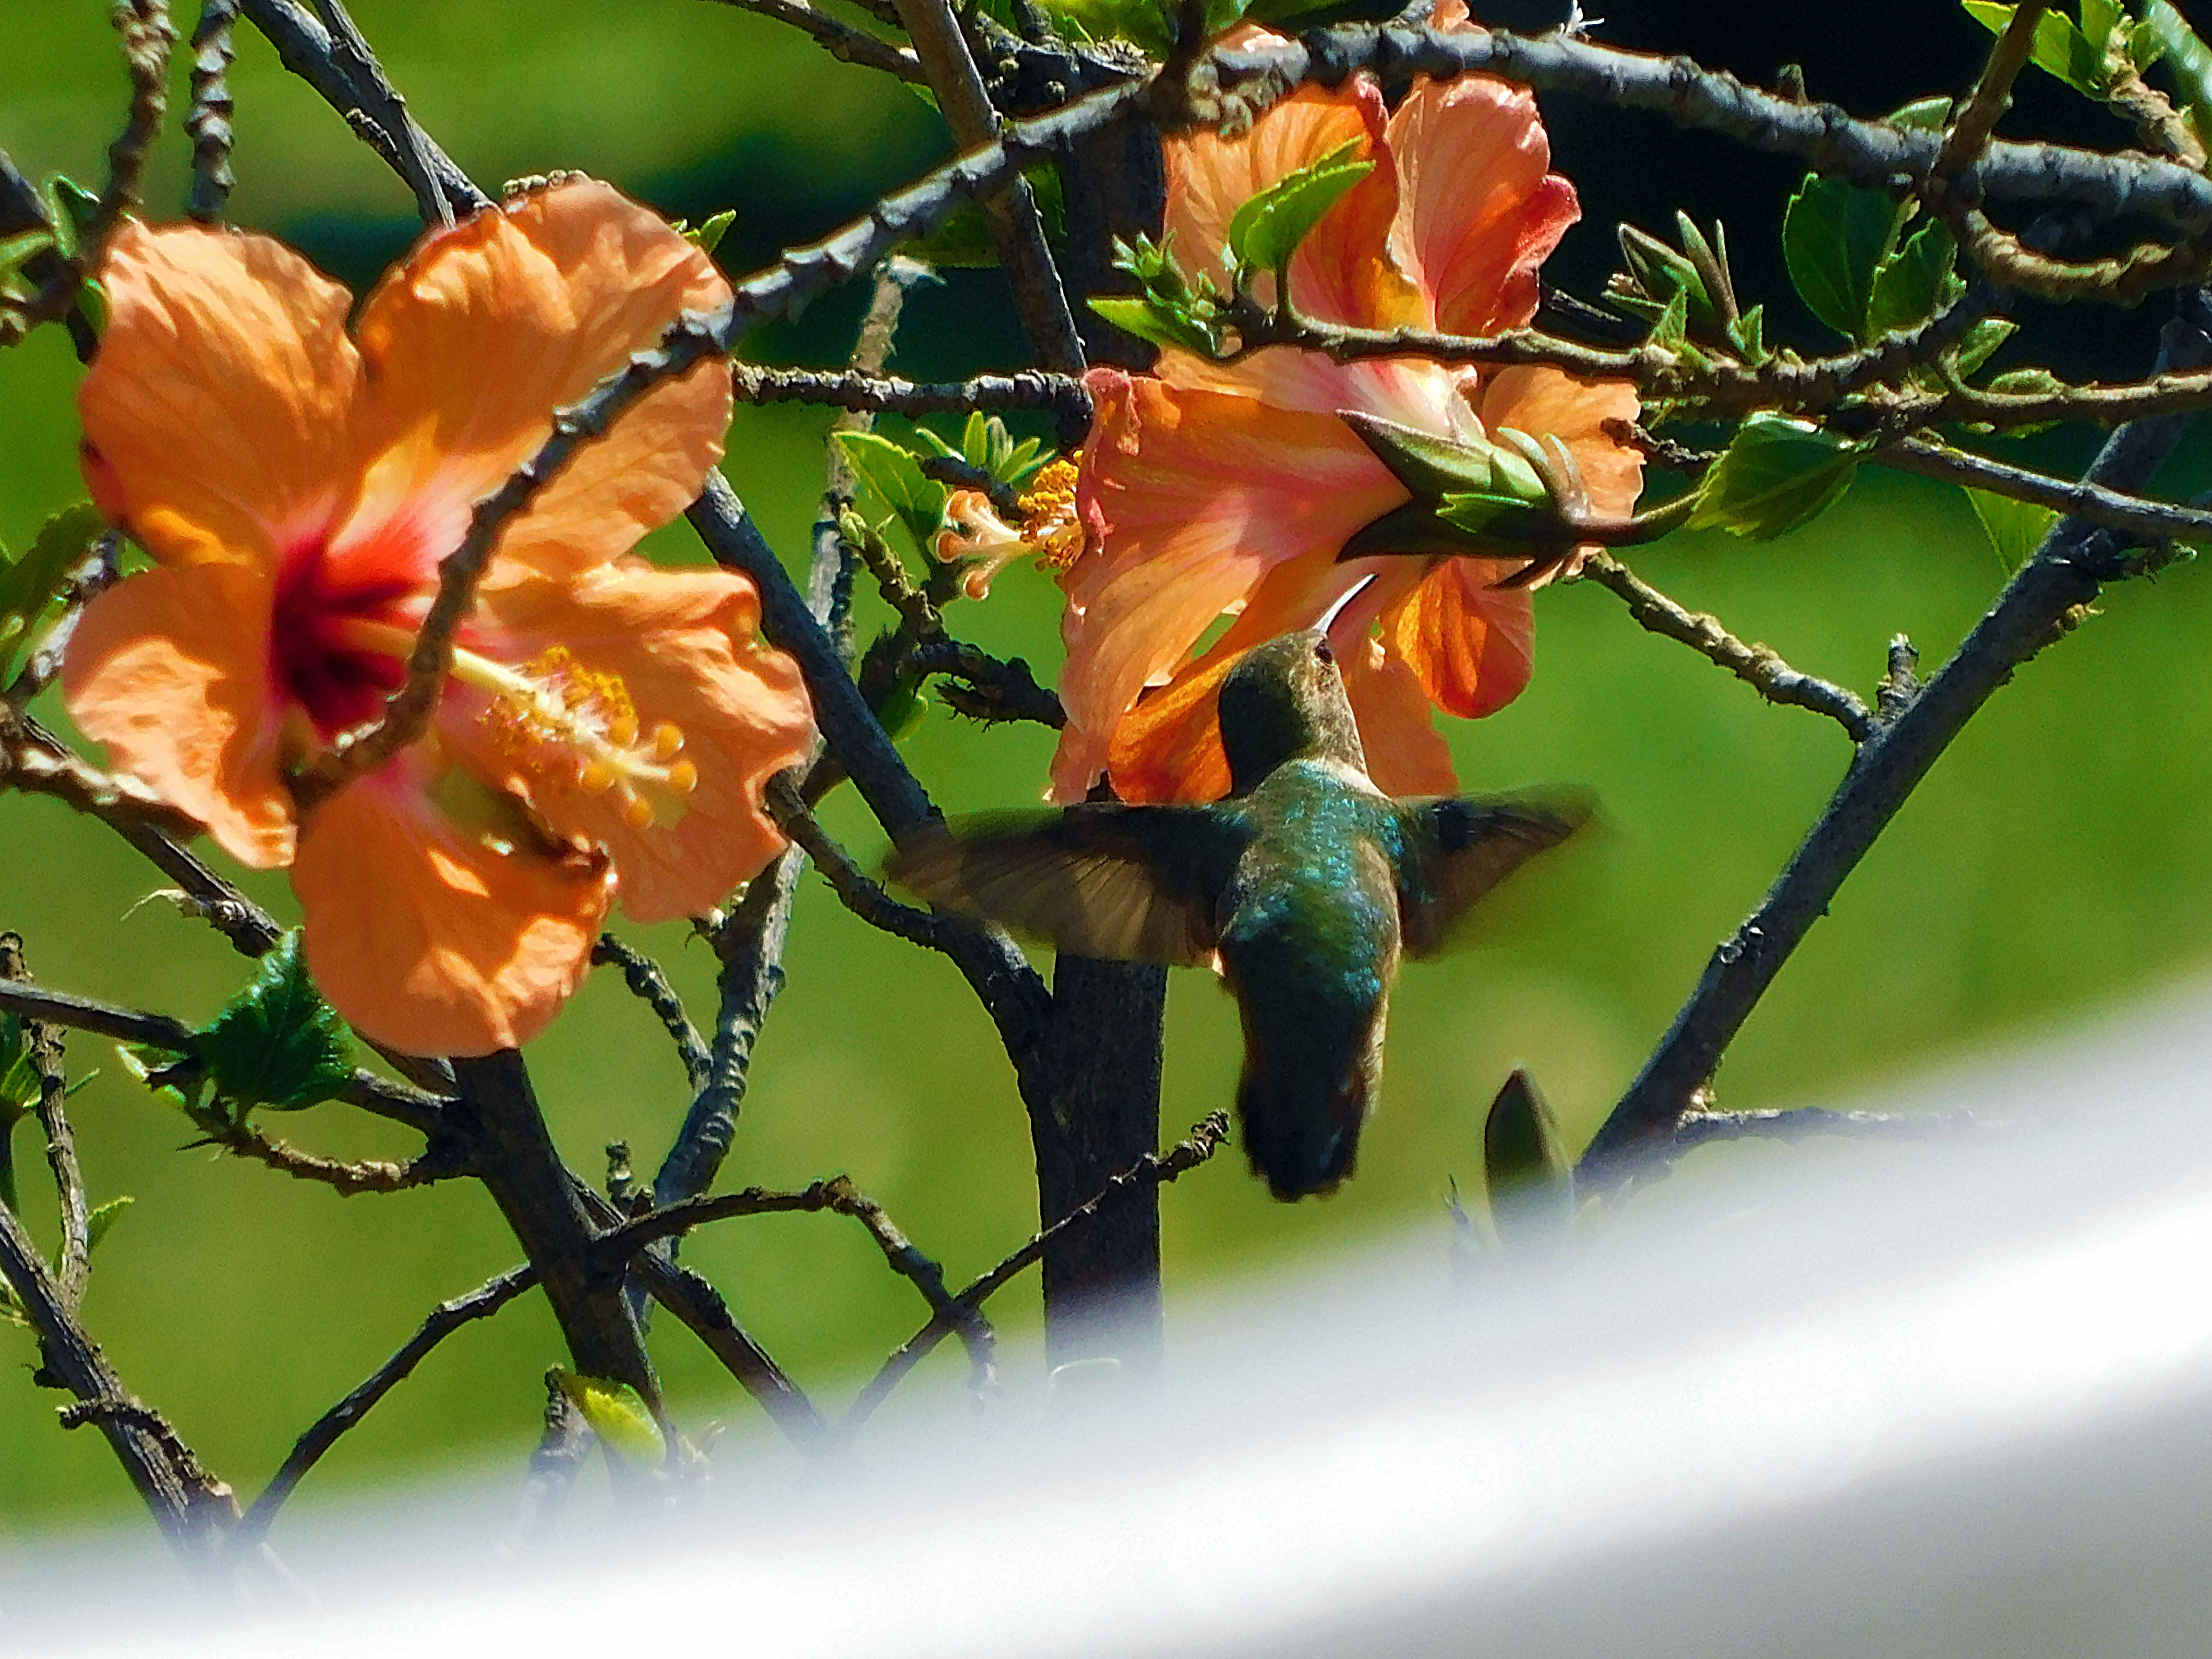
(1303, 888)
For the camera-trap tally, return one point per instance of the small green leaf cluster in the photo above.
(890, 472)
(30, 586)
(1170, 309)
(1687, 295)
(706, 236)
(276, 1045)
(70, 208)
(2104, 47)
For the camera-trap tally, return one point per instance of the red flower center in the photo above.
(339, 682)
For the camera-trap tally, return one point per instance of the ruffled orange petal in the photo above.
(1338, 273)
(686, 646)
(487, 328)
(1191, 498)
(1469, 642)
(1405, 753)
(428, 937)
(1541, 400)
(1478, 210)
(170, 670)
(217, 414)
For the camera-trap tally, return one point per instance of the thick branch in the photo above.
(1061, 395)
(2066, 573)
(208, 124)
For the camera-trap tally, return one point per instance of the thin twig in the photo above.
(1974, 122)
(863, 897)
(208, 124)
(346, 1178)
(2085, 500)
(1703, 1128)
(991, 689)
(1758, 667)
(328, 1428)
(1153, 1171)
(42, 1046)
(650, 985)
(699, 1307)
(841, 40)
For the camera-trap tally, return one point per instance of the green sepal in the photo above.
(70, 208)
(1834, 236)
(894, 475)
(18, 251)
(1431, 467)
(617, 1413)
(1266, 230)
(30, 584)
(1778, 473)
(1525, 1165)
(102, 1220)
(1982, 342)
(276, 1044)
(1929, 113)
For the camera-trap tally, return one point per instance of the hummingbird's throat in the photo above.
(565, 725)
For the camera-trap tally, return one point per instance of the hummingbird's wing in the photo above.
(1457, 849)
(1131, 884)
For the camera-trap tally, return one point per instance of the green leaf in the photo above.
(277, 1043)
(1777, 474)
(2015, 528)
(894, 476)
(2188, 60)
(708, 235)
(102, 1220)
(1982, 341)
(18, 251)
(1266, 230)
(1908, 284)
(32, 583)
(1833, 237)
(617, 1413)
(1530, 1179)
(2100, 18)
(2060, 48)
(69, 208)
(1148, 321)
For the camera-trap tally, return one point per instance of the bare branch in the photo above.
(701, 1310)
(1967, 138)
(862, 896)
(1758, 667)
(650, 985)
(346, 1179)
(1061, 395)
(42, 1046)
(209, 122)
(1149, 1172)
(328, 1428)
(840, 41)
(1703, 1128)
(2085, 500)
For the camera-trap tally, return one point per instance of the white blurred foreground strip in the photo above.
(1847, 1399)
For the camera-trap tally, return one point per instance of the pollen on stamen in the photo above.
(562, 723)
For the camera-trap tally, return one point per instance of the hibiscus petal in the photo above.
(1192, 498)
(1469, 642)
(1338, 273)
(487, 328)
(1541, 400)
(1405, 753)
(686, 646)
(217, 413)
(428, 937)
(169, 670)
(1477, 210)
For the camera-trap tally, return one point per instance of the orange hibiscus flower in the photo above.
(1213, 489)
(606, 727)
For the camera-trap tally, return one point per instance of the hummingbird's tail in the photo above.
(1301, 1104)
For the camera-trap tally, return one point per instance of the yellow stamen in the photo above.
(1048, 520)
(562, 723)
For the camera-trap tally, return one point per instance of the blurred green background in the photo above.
(2057, 859)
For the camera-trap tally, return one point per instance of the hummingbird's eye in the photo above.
(1322, 653)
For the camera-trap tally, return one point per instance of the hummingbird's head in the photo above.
(1286, 701)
